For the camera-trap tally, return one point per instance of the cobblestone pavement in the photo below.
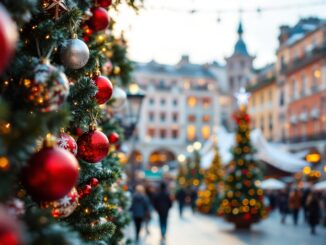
(204, 230)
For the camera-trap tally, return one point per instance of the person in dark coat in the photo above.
(140, 208)
(193, 198)
(181, 198)
(162, 204)
(282, 201)
(313, 208)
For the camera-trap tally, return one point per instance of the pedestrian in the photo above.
(193, 199)
(181, 198)
(150, 193)
(283, 202)
(162, 204)
(295, 204)
(313, 211)
(304, 202)
(140, 208)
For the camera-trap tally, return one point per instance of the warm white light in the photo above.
(181, 158)
(197, 146)
(190, 148)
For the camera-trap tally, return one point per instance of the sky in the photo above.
(165, 29)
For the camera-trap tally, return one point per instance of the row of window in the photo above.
(162, 133)
(299, 88)
(163, 116)
(175, 117)
(192, 133)
(193, 101)
(162, 101)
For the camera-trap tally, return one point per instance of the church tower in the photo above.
(239, 65)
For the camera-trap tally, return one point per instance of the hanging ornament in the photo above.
(94, 182)
(104, 3)
(107, 68)
(50, 173)
(63, 207)
(100, 19)
(87, 190)
(74, 53)
(65, 141)
(93, 145)
(113, 138)
(104, 89)
(55, 7)
(10, 232)
(119, 98)
(8, 38)
(49, 88)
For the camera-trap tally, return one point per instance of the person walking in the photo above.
(313, 211)
(295, 204)
(140, 208)
(181, 198)
(193, 199)
(162, 204)
(283, 202)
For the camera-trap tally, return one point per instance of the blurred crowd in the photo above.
(157, 198)
(306, 203)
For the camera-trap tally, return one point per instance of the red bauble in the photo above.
(105, 89)
(100, 19)
(93, 146)
(247, 216)
(50, 174)
(113, 138)
(87, 190)
(104, 3)
(94, 182)
(65, 141)
(8, 38)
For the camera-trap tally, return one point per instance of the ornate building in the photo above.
(239, 65)
(181, 106)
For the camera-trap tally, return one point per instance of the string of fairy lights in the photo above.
(240, 11)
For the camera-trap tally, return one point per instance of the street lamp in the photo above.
(135, 97)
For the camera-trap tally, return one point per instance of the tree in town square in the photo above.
(242, 203)
(61, 70)
(194, 173)
(209, 196)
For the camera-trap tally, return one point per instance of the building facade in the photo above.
(301, 81)
(263, 102)
(181, 106)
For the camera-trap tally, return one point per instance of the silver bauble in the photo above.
(74, 53)
(49, 89)
(119, 98)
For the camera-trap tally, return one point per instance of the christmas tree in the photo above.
(243, 199)
(208, 198)
(61, 191)
(194, 174)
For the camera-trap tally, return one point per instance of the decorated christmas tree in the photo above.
(243, 199)
(194, 174)
(208, 197)
(58, 172)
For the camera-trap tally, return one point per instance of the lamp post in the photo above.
(135, 97)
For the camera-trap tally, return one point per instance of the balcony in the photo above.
(308, 58)
(306, 138)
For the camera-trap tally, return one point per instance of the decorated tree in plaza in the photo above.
(194, 174)
(208, 197)
(56, 169)
(243, 199)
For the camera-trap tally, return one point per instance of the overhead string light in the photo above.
(258, 10)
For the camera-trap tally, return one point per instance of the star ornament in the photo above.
(55, 6)
(242, 97)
